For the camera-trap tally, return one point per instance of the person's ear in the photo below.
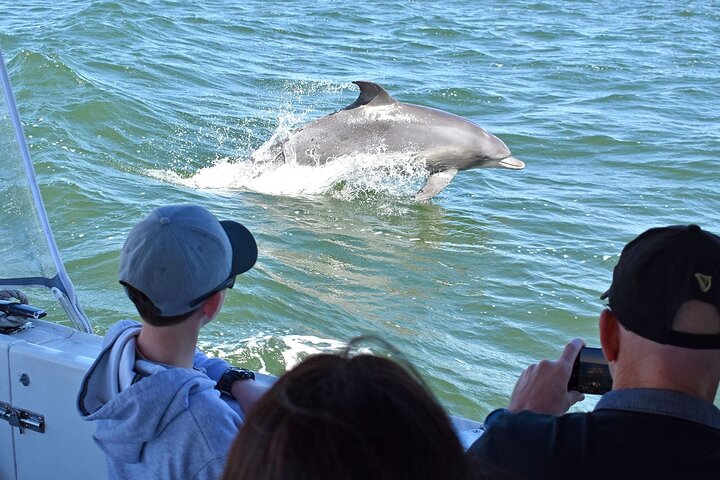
(609, 335)
(211, 306)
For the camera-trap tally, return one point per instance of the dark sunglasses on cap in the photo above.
(229, 283)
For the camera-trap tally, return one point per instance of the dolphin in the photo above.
(446, 143)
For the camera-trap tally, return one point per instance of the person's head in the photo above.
(178, 257)
(664, 308)
(336, 416)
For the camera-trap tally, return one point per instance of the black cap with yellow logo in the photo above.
(657, 273)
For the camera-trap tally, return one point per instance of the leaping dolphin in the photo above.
(446, 143)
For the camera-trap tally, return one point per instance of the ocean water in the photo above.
(614, 107)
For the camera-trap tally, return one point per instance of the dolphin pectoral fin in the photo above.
(371, 94)
(435, 184)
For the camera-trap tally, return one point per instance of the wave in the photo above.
(395, 175)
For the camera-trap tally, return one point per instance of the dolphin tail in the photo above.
(435, 184)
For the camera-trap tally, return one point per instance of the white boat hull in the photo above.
(40, 371)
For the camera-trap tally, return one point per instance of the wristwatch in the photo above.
(232, 375)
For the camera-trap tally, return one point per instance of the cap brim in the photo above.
(243, 246)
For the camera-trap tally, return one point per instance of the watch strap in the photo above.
(232, 375)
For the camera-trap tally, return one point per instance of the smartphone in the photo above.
(590, 373)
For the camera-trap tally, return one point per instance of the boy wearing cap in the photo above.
(661, 337)
(153, 395)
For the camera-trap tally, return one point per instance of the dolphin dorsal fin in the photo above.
(371, 94)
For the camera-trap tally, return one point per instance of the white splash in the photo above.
(347, 176)
(293, 349)
(300, 347)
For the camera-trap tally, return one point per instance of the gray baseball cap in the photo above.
(180, 255)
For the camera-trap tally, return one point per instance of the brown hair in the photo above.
(341, 417)
(149, 312)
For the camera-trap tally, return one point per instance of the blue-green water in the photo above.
(614, 108)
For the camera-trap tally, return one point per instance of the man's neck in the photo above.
(171, 345)
(661, 376)
(641, 363)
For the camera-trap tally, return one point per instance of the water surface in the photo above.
(614, 108)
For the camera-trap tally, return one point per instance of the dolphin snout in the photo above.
(511, 163)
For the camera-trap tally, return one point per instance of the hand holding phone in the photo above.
(542, 387)
(590, 373)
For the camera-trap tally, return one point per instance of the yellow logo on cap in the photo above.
(704, 282)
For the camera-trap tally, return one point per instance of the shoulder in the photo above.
(212, 366)
(196, 431)
(598, 443)
(214, 426)
(523, 428)
(529, 444)
(217, 423)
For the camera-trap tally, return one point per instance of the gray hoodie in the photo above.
(156, 421)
